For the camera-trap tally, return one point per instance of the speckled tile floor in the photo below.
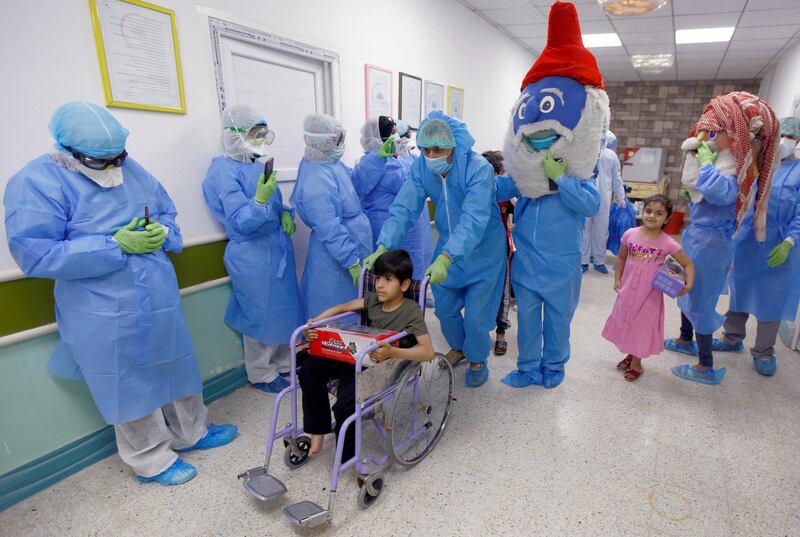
(596, 456)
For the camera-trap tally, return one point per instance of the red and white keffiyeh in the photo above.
(745, 118)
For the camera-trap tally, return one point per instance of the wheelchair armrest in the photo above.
(365, 352)
(300, 329)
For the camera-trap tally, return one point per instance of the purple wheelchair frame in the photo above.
(264, 486)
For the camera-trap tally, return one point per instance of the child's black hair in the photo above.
(663, 200)
(495, 158)
(396, 263)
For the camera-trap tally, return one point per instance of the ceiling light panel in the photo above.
(704, 35)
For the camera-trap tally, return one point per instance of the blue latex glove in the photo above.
(705, 155)
(438, 269)
(287, 223)
(779, 254)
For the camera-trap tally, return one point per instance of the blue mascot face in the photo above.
(552, 98)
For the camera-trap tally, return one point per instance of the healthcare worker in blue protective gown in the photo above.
(76, 216)
(609, 184)
(264, 306)
(327, 202)
(468, 270)
(763, 279)
(420, 233)
(378, 177)
(708, 242)
(546, 272)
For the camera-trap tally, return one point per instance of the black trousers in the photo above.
(314, 377)
(704, 352)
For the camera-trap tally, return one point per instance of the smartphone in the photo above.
(550, 183)
(268, 165)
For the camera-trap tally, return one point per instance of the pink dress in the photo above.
(636, 324)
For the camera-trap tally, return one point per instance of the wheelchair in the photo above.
(407, 402)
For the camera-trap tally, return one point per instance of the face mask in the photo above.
(541, 143)
(787, 148)
(438, 165)
(108, 178)
(336, 153)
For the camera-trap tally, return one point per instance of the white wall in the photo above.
(781, 84)
(49, 58)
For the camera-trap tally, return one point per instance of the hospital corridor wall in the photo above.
(49, 427)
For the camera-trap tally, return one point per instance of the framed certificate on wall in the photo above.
(140, 62)
(455, 102)
(377, 91)
(434, 96)
(410, 109)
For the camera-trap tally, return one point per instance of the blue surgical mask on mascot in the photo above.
(438, 165)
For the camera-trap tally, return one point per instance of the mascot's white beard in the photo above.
(579, 148)
(725, 163)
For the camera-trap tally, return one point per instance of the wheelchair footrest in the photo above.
(261, 484)
(307, 514)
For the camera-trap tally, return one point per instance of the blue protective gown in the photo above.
(119, 316)
(326, 201)
(546, 269)
(377, 181)
(707, 242)
(771, 294)
(470, 231)
(259, 256)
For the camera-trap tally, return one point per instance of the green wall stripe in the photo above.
(32, 303)
(45, 471)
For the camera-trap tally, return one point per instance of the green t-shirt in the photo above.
(406, 317)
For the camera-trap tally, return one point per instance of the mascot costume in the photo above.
(729, 160)
(554, 138)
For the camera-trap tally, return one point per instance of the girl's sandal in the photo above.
(632, 374)
(625, 364)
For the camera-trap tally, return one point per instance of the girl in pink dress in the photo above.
(636, 324)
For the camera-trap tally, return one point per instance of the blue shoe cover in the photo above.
(216, 436)
(179, 473)
(551, 379)
(766, 366)
(712, 376)
(276, 386)
(602, 269)
(720, 345)
(584, 268)
(475, 378)
(523, 379)
(672, 345)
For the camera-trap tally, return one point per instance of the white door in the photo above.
(283, 87)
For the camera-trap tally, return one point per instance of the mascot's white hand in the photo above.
(552, 169)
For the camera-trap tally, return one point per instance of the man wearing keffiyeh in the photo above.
(728, 164)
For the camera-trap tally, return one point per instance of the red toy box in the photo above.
(344, 342)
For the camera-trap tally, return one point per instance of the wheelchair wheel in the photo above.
(420, 410)
(370, 490)
(294, 459)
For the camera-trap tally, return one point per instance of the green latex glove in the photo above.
(371, 258)
(438, 269)
(685, 192)
(552, 169)
(705, 155)
(265, 188)
(155, 232)
(779, 254)
(132, 241)
(355, 272)
(387, 149)
(287, 223)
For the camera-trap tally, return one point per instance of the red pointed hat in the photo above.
(565, 54)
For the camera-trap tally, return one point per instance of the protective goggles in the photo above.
(94, 163)
(340, 134)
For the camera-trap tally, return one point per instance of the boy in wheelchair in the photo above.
(387, 308)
